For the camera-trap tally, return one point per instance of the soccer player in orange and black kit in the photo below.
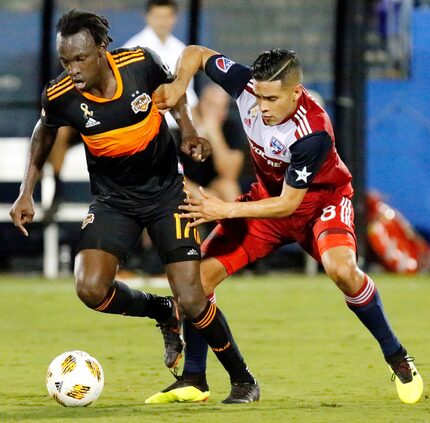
(303, 193)
(137, 182)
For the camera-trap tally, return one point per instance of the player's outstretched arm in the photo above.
(192, 59)
(211, 208)
(42, 140)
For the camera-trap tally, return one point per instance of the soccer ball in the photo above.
(75, 379)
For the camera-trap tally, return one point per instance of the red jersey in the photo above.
(300, 150)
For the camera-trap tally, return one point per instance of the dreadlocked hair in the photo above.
(76, 20)
(277, 64)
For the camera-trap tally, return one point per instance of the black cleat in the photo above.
(173, 341)
(399, 363)
(242, 393)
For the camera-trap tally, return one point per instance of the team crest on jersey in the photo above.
(140, 103)
(224, 64)
(89, 219)
(276, 147)
(247, 121)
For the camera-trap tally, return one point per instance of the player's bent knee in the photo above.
(212, 273)
(190, 306)
(89, 290)
(340, 272)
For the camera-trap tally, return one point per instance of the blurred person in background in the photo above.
(219, 173)
(161, 17)
(303, 193)
(137, 183)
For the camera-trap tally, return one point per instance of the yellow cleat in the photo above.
(186, 394)
(409, 382)
(190, 387)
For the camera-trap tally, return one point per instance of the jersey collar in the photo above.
(118, 79)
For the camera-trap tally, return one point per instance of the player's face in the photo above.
(275, 100)
(81, 58)
(162, 20)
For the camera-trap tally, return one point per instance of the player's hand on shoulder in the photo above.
(22, 212)
(196, 147)
(166, 96)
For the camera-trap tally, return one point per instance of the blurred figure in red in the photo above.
(397, 246)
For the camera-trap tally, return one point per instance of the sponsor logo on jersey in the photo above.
(89, 219)
(276, 146)
(140, 103)
(224, 64)
(88, 115)
(260, 152)
(91, 122)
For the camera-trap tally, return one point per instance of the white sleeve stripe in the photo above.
(305, 131)
(346, 211)
(305, 119)
(302, 112)
(342, 210)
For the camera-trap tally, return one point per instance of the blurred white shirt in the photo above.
(169, 51)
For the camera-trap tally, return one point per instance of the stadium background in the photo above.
(382, 133)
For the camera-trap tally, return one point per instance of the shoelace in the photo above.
(402, 363)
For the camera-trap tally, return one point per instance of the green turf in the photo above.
(313, 359)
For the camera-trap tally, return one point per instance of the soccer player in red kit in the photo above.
(302, 194)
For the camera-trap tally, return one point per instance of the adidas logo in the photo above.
(59, 385)
(192, 252)
(91, 122)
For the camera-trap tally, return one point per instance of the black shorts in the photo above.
(115, 231)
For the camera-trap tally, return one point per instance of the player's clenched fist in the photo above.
(166, 96)
(196, 147)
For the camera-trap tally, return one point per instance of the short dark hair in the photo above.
(277, 64)
(153, 3)
(76, 20)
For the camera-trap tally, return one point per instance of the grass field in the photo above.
(313, 359)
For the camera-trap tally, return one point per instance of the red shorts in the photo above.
(238, 242)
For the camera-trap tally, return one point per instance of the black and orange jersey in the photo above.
(131, 155)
